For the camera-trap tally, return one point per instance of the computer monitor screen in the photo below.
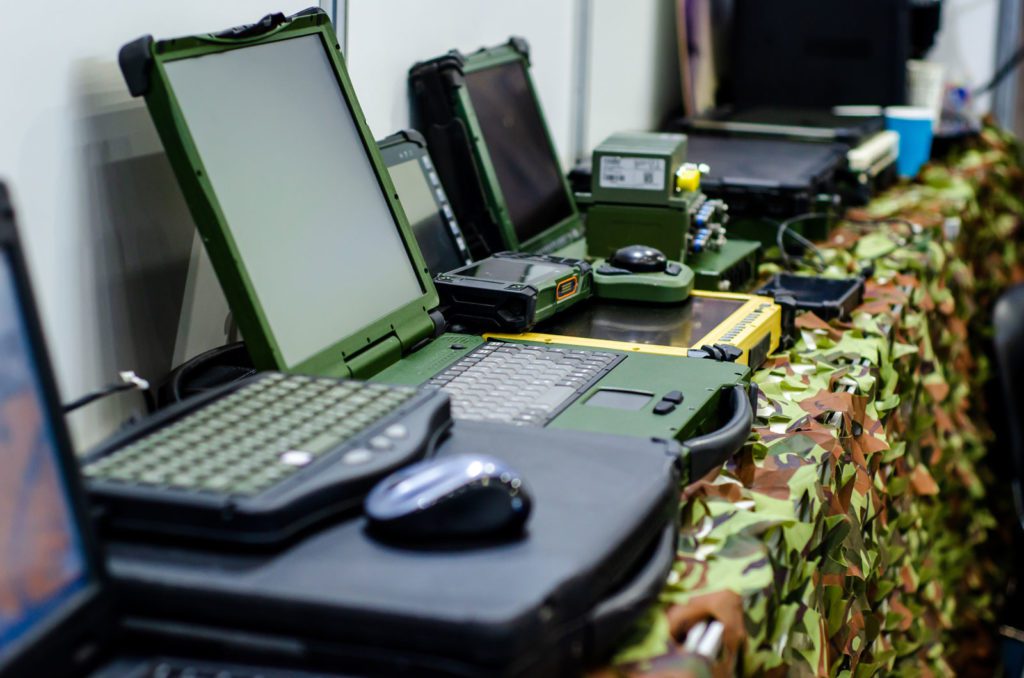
(511, 270)
(525, 162)
(42, 559)
(299, 195)
(428, 224)
(678, 325)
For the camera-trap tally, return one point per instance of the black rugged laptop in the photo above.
(57, 614)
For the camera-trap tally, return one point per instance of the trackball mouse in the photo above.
(639, 259)
(457, 497)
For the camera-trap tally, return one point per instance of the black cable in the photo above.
(784, 229)
(129, 382)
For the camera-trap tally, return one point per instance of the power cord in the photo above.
(129, 382)
(784, 228)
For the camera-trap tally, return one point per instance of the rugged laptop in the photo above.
(57, 617)
(315, 255)
(487, 133)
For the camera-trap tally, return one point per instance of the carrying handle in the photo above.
(711, 450)
(611, 615)
(264, 26)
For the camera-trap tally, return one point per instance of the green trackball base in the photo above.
(655, 288)
(731, 268)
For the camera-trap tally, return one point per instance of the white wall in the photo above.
(966, 44)
(386, 37)
(633, 67)
(106, 231)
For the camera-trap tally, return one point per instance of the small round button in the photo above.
(381, 443)
(396, 431)
(360, 455)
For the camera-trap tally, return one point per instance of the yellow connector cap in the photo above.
(688, 179)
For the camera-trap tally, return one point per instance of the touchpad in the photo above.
(620, 399)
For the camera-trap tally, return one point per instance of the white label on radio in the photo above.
(646, 174)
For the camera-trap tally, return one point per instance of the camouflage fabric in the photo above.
(849, 538)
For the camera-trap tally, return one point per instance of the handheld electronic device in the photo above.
(512, 291)
(308, 299)
(425, 202)
(58, 616)
(464, 496)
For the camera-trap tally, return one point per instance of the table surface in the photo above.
(850, 536)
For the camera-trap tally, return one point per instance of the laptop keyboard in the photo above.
(259, 436)
(521, 384)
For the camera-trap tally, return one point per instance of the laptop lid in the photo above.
(424, 200)
(513, 149)
(288, 191)
(54, 611)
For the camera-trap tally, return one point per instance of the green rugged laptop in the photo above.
(313, 249)
(484, 122)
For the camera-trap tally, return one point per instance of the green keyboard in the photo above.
(254, 441)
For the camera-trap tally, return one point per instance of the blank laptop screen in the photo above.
(42, 558)
(298, 192)
(428, 224)
(525, 162)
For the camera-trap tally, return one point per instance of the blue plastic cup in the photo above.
(914, 125)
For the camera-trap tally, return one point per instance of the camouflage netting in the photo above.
(851, 536)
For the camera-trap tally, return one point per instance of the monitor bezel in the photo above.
(53, 647)
(409, 145)
(410, 323)
(553, 236)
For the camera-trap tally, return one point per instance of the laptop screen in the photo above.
(525, 162)
(428, 224)
(299, 195)
(43, 562)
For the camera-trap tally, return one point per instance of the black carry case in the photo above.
(596, 552)
(776, 178)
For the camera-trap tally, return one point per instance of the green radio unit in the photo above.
(644, 190)
(512, 291)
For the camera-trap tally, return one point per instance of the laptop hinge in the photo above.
(375, 357)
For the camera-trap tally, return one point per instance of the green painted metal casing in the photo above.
(658, 288)
(731, 268)
(700, 381)
(457, 66)
(612, 226)
(373, 346)
(637, 168)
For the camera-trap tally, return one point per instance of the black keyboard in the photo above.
(264, 460)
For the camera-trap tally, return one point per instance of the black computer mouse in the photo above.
(457, 497)
(639, 259)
